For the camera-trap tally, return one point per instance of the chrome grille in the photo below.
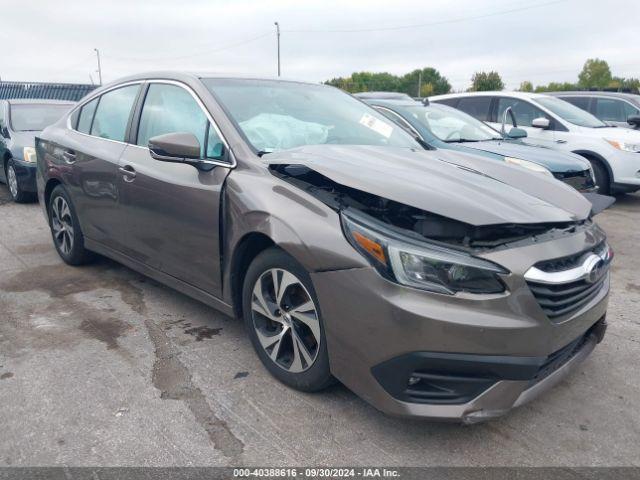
(564, 285)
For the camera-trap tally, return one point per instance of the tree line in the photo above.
(595, 75)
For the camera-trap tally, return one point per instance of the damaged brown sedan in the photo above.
(432, 283)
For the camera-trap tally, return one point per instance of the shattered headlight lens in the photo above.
(624, 146)
(527, 164)
(421, 264)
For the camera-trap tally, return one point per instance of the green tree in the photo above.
(366, 82)
(433, 83)
(556, 87)
(486, 81)
(526, 86)
(595, 74)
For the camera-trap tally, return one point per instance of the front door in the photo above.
(525, 113)
(172, 209)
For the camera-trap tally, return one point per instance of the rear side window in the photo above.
(580, 102)
(86, 116)
(477, 107)
(613, 110)
(171, 109)
(112, 114)
(524, 111)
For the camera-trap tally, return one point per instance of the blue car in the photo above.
(20, 122)
(440, 126)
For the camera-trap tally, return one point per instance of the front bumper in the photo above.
(26, 175)
(626, 171)
(371, 322)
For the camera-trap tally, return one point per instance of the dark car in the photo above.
(432, 283)
(441, 126)
(619, 109)
(20, 122)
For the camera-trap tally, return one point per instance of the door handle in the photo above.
(69, 156)
(561, 141)
(128, 172)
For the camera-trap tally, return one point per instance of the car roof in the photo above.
(38, 101)
(383, 96)
(597, 93)
(500, 93)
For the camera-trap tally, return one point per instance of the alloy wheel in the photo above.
(285, 319)
(62, 225)
(13, 181)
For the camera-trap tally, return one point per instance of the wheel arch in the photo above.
(590, 155)
(51, 184)
(246, 250)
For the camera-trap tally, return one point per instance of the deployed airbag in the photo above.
(269, 132)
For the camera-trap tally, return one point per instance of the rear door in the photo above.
(171, 209)
(90, 163)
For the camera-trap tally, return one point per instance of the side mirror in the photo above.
(175, 147)
(517, 133)
(634, 120)
(5, 132)
(541, 122)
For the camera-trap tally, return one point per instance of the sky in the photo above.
(535, 40)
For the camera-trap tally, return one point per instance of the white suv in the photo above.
(613, 152)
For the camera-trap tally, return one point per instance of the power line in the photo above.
(430, 24)
(180, 57)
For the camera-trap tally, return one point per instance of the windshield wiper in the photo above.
(462, 140)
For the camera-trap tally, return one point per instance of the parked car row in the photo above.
(437, 269)
(440, 126)
(614, 153)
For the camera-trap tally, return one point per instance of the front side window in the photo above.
(570, 113)
(278, 115)
(171, 109)
(112, 115)
(452, 125)
(34, 118)
(629, 110)
(477, 107)
(524, 111)
(86, 116)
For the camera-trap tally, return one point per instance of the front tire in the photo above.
(65, 229)
(601, 176)
(17, 194)
(282, 315)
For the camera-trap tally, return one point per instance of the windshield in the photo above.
(25, 118)
(452, 125)
(570, 113)
(276, 115)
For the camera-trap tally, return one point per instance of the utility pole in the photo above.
(419, 83)
(99, 67)
(278, 36)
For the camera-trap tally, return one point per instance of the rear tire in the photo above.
(65, 229)
(282, 316)
(17, 194)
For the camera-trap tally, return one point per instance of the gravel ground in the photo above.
(100, 366)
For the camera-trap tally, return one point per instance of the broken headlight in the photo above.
(420, 264)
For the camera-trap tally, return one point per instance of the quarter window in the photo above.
(86, 116)
(525, 112)
(171, 109)
(112, 115)
(477, 107)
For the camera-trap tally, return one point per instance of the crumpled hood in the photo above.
(464, 187)
(553, 160)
